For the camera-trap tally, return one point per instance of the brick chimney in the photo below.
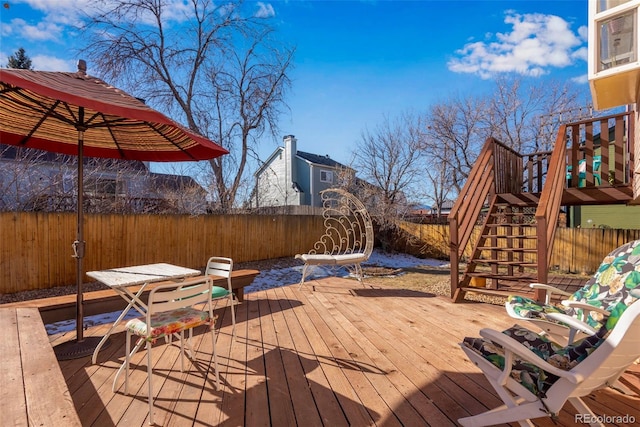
(290, 151)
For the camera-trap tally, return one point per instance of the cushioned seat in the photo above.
(586, 310)
(535, 377)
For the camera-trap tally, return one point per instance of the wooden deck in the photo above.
(333, 353)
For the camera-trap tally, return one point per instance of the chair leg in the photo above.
(233, 316)
(215, 357)
(182, 344)
(503, 414)
(149, 380)
(583, 409)
(125, 364)
(359, 274)
(304, 275)
(127, 357)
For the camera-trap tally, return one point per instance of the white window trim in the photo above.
(326, 173)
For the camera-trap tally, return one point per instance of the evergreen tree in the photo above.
(20, 60)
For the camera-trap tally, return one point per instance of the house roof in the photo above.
(174, 182)
(320, 160)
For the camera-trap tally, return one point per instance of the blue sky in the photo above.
(358, 61)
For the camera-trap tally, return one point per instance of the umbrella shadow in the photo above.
(293, 386)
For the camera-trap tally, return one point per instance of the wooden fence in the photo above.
(35, 248)
(575, 250)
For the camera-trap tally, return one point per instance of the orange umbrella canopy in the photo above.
(76, 114)
(45, 110)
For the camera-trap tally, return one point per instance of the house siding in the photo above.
(607, 216)
(292, 178)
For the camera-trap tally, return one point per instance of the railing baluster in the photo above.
(604, 152)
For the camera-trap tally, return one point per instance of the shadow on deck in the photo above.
(332, 353)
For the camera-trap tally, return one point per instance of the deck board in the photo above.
(333, 353)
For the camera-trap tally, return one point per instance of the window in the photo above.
(617, 41)
(101, 187)
(608, 4)
(326, 176)
(614, 63)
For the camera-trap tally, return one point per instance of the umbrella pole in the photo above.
(79, 244)
(82, 346)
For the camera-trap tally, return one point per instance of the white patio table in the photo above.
(121, 279)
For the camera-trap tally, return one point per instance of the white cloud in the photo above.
(51, 63)
(41, 31)
(265, 10)
(583, 79)
(535, 44)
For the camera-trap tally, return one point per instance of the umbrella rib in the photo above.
(38, 106)
(155, 128)
(113, 137)
(49, 112)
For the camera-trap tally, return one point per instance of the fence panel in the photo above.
(35, 247)
(575, 250)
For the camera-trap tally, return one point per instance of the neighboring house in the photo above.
(36, 180)
(292, 178)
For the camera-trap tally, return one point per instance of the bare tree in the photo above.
(388, 159)
(213, 66)
(440, 179)
(524, 117)
(527, 117)
(454, 136)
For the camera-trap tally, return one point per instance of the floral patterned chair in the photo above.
(584, 311)
(535, 377)
(172, 310)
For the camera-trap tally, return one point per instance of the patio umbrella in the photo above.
(76, 114)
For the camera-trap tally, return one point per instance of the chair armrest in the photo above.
(522, 352)
(550, 290)
(586, 308)
(572, 322)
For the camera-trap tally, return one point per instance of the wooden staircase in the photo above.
(507, 246)
(504, 220)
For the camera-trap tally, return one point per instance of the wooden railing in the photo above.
(535, 171)
(549, 208)
(598, 152)
(466, 210)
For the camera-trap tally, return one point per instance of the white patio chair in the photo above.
(221, 266)
(586, 310)
(535, 377)
(172, 309)
(348, 239)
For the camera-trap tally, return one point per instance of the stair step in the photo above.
(530, 278)
(503, 249)
(512, 236)
(505, 213)
(486, 291)
(520, 200)
(511, 224)
(505, 263)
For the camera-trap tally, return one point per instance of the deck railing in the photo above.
(598, 152)
(549, 208)
(535, 170)
(480, 184)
